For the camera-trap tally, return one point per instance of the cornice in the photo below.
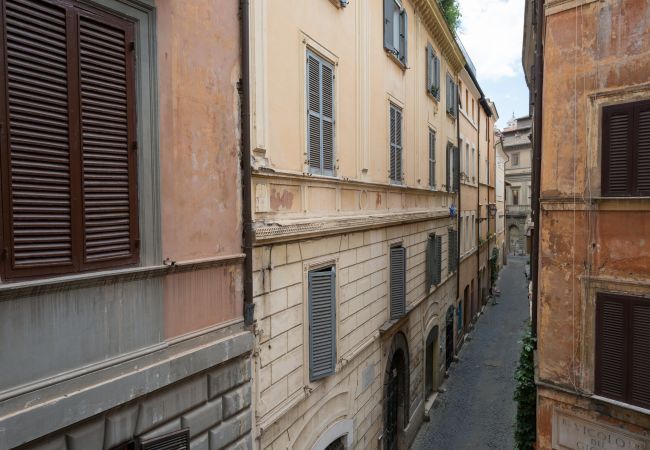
(435, 22)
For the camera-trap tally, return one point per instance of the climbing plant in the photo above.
(451, 9)
(526, 395)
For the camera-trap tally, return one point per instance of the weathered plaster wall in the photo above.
(198, 56)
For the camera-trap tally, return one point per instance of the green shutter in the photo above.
(322, 323)
(397, 282)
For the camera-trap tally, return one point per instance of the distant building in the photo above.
(517, 147)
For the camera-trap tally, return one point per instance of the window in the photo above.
(626, 150)
(452, 257)
(487, 171)
(432, 158)
(473, 162)
(515, 196)
(473, 231)
(452, 97)
(395, 144)
(320, 115)
(397, 282)
(467, 160)
(70, 200)
(453, 172)
(395, 30)
(322, 323)
(515, 159)
(473, 110)
(623, 348)
(433, 73)
(466, 246)
(434, 260)
(177, 439)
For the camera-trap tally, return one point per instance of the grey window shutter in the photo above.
(398, 145)
(436, 71)
(429, 53)
(322, 323)
(432, 158)
(452, 257)
(393, 175)
(320, 115)
(429, 261)
(403, 37)
(397, 282)
(327, 96)
(389, 5)
(314, 112)
(437, 260)
(456, 151)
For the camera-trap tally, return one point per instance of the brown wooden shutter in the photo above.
(108, 141)
(611, 347)
(639, 393)
(617, 145)
(37, 186)
(69, 194)
(643, 149)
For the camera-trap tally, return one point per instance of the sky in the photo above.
(492, 33)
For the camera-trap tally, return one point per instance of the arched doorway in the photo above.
(449, 337)
(396, 393)
(431, 363)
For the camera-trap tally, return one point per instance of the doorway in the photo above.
(449, 337)
(431, 365)
(396, 394)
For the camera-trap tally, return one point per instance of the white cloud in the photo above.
(492, 33)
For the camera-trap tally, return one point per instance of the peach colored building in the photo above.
(355, 193)
(122, 314)
(588, 65)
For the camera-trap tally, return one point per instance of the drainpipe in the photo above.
(458, 209)
(478, 212)
(249, 307)
(537, 156)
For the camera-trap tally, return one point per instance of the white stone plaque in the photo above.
(572, 433)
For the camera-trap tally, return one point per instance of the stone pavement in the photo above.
(477, 411)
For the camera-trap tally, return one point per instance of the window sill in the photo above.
(394, 56)
(13, 290)
(639, 409)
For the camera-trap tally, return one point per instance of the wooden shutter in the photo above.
(36, 155)
(429, 63)
(643, 148)
(178, 440)
(452, 257)
(437, 260)
(395, 144)
(322, 323)
(432, 158)
(389, 6)
(436, 74)
(392, 120)
(429, 261)
(397, 282)
(456, 153)
(313, 112)
(109, 178)
(327, 80)
(617, 145)
(611, 347)
(639, 393)
(68, 159)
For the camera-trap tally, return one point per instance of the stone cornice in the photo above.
(435, 22)
(317, 227)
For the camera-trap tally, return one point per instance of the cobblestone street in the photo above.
(477, 411)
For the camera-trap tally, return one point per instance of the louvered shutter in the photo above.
(392, 144)
(398, 145)
(429, 261)
(69, 180)
(429, 62)
(617, 145)
(611, 347)
(397, 282)
(639, 393)
(456, 152)
(436, 73)
(178, 440)
(389, 5)
(437, 260)
(403, 37)
(643, 149)
(452, 257)
(327, 80)
(37, 183)
(322, 323)
(109, 178)
(432, 158)
(314, 112)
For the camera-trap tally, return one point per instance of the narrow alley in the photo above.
(476, 409)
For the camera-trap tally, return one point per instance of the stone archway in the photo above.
(396, 393)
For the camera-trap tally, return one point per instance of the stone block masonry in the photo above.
(215, 405)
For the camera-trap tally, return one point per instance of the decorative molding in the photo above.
(11, 291)
(558, 6)
(300, 230)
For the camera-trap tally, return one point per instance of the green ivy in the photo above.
(451, 11)
(526, 395)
